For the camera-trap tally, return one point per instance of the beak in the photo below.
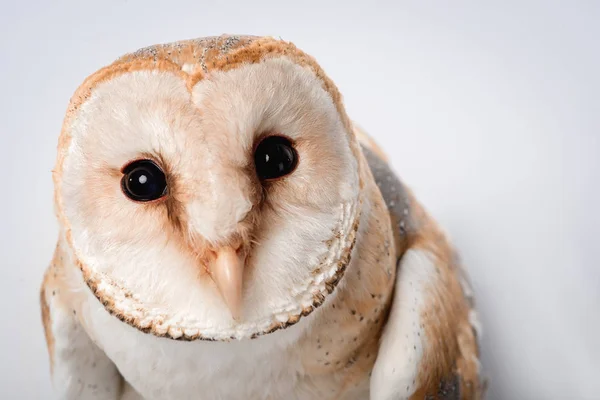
(226, 270)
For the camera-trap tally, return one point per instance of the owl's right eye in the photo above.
(143, 180)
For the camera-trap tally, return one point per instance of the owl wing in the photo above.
(79, 369)
(429, 347)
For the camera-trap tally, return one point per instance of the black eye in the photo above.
(143, 180)
(275, 157)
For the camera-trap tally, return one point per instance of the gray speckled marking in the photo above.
(149, 52)
(223, 44)
(449, 389)
(229, 43)
(208, 45)
(393, 191)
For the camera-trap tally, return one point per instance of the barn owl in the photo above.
(228, 232)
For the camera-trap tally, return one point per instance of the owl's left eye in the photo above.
(143, 180)
(275, 157)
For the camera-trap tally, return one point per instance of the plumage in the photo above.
(331, 282)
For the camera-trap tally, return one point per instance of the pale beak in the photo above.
(226, 270)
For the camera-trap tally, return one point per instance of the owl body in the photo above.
(212, 274)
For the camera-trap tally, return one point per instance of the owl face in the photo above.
(210, 205)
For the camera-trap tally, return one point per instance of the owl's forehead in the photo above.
(237, 86)
(153, 109)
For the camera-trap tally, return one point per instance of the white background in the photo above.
(490, 113)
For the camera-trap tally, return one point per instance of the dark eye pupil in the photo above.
(274, 157)
(143, 180)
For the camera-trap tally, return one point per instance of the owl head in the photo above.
(209, 189)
